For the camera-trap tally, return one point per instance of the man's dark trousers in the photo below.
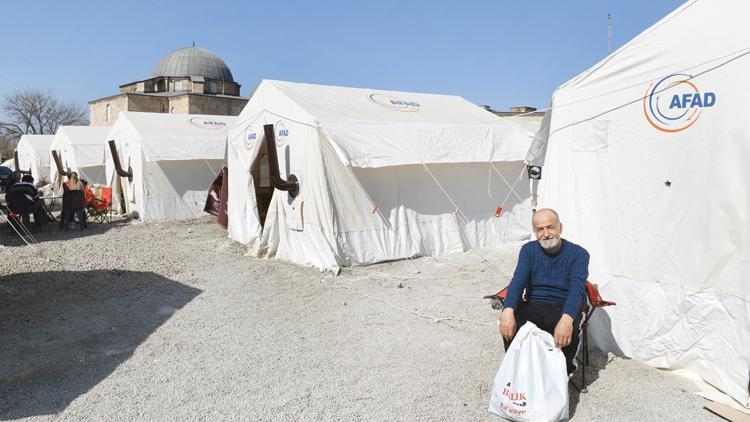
(546, 316)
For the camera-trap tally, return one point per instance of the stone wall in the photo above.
(129, 88)
(148, 103)
(182, 104)
(221, 87)
(208, 104)
(98, 114)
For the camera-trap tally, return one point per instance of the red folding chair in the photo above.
(594, 301)
(101, 210)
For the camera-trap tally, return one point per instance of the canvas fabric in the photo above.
(376, 183)
(644, 158)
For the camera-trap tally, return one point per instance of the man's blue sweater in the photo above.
(551, 278)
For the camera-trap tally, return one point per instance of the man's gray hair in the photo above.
(557, 216)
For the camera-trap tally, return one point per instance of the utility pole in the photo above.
(609, 33)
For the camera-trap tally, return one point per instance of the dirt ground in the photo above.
(129, 321)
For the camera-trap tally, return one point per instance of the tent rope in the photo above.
(512, 187)
(464, 220)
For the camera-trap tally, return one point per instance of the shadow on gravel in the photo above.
(63, 332)
(51, 231)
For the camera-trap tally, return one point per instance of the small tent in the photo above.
(172, 159)
(80, 149)
(644, 157)
(33, 153)
(382, 175)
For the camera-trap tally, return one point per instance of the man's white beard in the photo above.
(550, 243)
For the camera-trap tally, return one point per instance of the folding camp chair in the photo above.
(101, 210)
(593, 301)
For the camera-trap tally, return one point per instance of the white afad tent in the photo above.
(81, 149)
(33, 154)
(171, 158)
(646, 162)
(382, 175)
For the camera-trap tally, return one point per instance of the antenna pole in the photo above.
(609, 33)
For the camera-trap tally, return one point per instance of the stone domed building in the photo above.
(188, 80)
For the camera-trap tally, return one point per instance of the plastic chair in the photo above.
(593, 301)
(73, 203)
(101, 210)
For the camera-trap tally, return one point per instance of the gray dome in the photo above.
(193, 61)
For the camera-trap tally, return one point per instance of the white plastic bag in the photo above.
(532, 382)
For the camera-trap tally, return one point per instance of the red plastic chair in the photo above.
(594, 301)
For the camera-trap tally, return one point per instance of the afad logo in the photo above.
(675, 103)
(204, 123)
(251, 137)
(394, 103)
(282, 133)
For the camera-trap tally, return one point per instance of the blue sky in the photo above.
(500, 53)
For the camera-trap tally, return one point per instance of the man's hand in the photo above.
(508, 324)
(563, 331)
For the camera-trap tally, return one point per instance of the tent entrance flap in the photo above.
(262, 182)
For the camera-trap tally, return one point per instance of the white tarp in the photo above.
(80, 150)
(646, 162)
(173, 157)
(383, 175)
(33, 153)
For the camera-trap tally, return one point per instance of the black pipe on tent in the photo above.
(18, 167)
(116, 160)
(290, 185)
(58, 163)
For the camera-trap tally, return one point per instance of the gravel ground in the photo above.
(171, 322)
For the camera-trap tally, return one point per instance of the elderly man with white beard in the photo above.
(553, 272)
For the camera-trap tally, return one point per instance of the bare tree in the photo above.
(37, 113)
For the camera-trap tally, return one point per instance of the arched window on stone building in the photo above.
(109, 113)
(212, 88)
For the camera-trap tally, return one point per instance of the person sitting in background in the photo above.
(13, 178)
(90, 198)
(27, 187)
(73, 183)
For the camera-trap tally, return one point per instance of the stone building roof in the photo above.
(193, 61)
